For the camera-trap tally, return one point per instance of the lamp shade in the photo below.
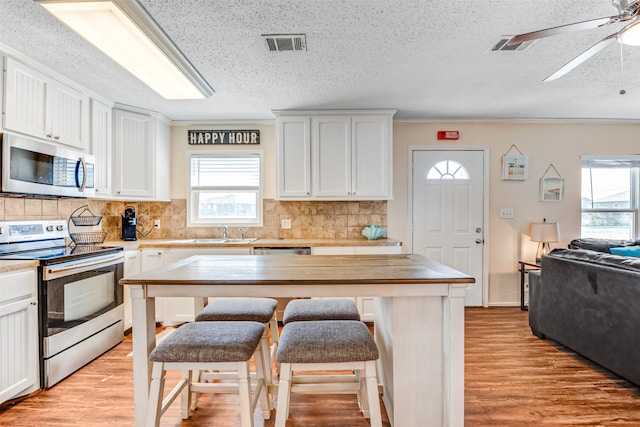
(545, 232)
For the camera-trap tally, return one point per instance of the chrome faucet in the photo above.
(241, 234)
(225, 231)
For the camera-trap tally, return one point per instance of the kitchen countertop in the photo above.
(7, 266)
(187, 243)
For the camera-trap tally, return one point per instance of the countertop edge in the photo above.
(182, 243)
(7, 266)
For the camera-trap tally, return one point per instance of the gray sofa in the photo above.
(589, 301)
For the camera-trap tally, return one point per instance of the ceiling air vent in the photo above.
(502, 45)
(283, 42)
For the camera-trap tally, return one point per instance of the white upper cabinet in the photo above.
(371, 153)
(293, 156)
(331, 156)
(41, 106)
(102, 147)
(133, 154)
(141, 156)
(350, 155)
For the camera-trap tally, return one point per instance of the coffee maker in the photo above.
(129, 222)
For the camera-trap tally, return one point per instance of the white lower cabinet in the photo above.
(175, 311)
(131, 266)
(18, 334)
(365, 304)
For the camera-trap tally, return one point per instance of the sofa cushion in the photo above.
(606, 259)
(600, 245)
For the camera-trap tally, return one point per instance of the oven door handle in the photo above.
(83, 266)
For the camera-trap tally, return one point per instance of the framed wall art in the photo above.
(551, 187)
(515, 166)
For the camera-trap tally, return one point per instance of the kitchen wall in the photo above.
(560, 143)
(309, 220)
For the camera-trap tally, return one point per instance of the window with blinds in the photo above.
(610, 199)
(225, 188)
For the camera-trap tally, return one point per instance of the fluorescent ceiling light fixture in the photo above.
(125, 31)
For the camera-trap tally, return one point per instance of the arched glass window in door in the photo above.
(448, 169)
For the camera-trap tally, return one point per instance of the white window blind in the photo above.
(225, 188)
(225, 172)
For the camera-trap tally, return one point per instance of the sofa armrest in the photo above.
(535, 283)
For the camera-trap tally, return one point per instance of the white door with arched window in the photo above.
(448, 212)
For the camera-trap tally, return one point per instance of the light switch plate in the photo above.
(286, 224)
(506, 213)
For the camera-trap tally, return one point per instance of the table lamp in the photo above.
(544, 233)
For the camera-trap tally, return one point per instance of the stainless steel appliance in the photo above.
(80, 301)
(34, 166)
(129, 222)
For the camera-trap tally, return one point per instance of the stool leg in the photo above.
(195, 378)
(154, 404)
(284, 394)
(266, 402)
(266, 356)
(362, 393)
(275, 338)
(372, 394)
(244, 390)
(185, 394)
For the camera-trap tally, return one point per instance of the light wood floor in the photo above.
(512, 378)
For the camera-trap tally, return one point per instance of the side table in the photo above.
(524, 268)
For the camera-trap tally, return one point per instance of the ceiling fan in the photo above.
(628, 11)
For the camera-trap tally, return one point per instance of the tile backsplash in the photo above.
(309, 220)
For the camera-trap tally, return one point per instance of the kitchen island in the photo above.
(419, 323)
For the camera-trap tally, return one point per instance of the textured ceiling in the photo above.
(427, 59)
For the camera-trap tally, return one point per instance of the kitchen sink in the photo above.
(206, 241)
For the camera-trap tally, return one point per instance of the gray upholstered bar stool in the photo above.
(224, 346)
(329, 345)
(261, 310)
(300, 310)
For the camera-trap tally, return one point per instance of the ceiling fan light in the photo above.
(126, 33)
(630, 35)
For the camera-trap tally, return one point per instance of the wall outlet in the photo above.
(286, 224)
(506, 213)
(156, 223)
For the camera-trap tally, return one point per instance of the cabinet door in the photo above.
(134, 154)
(162, 161)
(102, 147)
(68, 116)
(372, 157)
(331, 156)
(18, 334)
(25, 99)
(293, 157)
(131, 267)
(150, 259)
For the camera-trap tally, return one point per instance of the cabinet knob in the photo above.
(57, 138)
(34, 303)
(49, 135)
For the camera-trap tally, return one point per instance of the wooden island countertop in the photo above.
(419, 317)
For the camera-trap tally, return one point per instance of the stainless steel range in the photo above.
(80, 302)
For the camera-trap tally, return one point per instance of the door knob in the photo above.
(479, 241)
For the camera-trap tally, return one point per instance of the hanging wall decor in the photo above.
(551, 187)
(515, 166)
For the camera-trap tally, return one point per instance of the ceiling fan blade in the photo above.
(582, 57)
(569, 28)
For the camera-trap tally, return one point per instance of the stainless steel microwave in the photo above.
(38, 167)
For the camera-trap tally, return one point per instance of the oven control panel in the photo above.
(25, 231)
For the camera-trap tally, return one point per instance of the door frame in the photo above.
(485, 204)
